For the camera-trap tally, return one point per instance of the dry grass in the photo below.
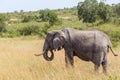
(17, 62)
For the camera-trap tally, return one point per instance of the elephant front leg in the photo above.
(69, 59)
(96, 67)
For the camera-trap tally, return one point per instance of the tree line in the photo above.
(91, 11)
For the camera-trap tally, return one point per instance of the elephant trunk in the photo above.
(46, 48)
(48, 58)
(45, 55)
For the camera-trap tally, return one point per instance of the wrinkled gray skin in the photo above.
(88, 45)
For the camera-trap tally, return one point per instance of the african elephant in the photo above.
(88, 45)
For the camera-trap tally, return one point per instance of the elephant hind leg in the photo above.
(104, 65)
(97, 61)
(104, 62)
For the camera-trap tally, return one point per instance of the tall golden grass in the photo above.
(17, 62)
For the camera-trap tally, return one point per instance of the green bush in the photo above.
(10, 35)
(10, 32)
(24, 29)
(114, 36)
(29, 18)
(25, 19)
(50, 16)
(44, 15)
(29, 30)
(2, 25)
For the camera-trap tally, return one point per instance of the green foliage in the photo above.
(116, 9)
(91, 10)
(87, 10)
(50, 16)
(2, 17)
(44, 30)
(10, 31)
(112, 77)
(26, 19)
(116, 13)
(28, 30)
(114, 36)
(10, 35)
(44, 15)
(29, 18)
(23, 29)
(2, 25)
(104, 11)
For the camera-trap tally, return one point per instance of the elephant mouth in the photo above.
(48, 56)
(59, 48)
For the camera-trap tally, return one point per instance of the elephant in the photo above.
(88, 45)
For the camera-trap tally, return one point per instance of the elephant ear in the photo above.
(58, 42)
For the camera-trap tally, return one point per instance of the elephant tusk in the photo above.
(38, 54)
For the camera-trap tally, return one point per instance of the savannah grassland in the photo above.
(17, 62)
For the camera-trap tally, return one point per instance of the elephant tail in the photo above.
(113, 51)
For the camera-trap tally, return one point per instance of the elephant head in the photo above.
(54, 40)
